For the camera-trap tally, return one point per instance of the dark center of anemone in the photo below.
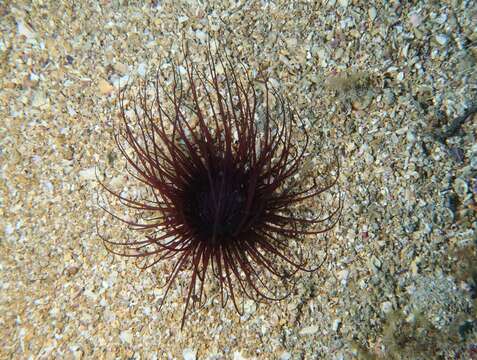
(216, 207)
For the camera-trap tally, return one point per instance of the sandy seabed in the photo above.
(381, 82)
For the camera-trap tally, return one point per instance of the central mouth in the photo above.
(217, 209)
(221, 211)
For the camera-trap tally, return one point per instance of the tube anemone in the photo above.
(218, 156)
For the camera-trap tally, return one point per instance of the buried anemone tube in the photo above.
(219, 161)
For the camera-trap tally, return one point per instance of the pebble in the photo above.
(309, 330)
(39, 100)
(72, 270)
(142, 69)
(126, 336)
(441, 19)
(189, 354)
(201, 35)
(473, 162)
(238, 356)
(25, 30)
(410, 227)
(47, 185)
(411, 136)
(442, 39)
(387, 307)
(461, 187)
(369, 158)
(372, 13)
(389, 97)
(343, 275)
(374, 264)
(415, 19)
(336, 325)
(181, 70)
(88, 174)
(121, 68)
(250, 306)
(9, 229)
(34, 77)
(285, 356)
(343, 3)
(117, 181)
(457, 154)
(105, 87)
(120, 81)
